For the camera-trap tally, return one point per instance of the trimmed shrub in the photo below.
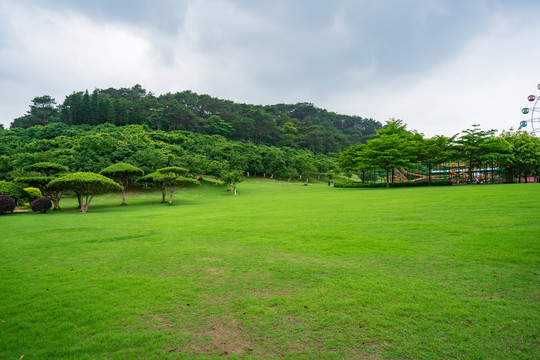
(42, 205)
(7, 204)
(33, 193)
(394, 185)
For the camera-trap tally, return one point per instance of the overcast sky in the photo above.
(439, 65)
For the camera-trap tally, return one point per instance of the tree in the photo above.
(86, 185)
(217, 126)
(304, 163)
(123, 174)
(13, 190)
(353, 160)
(387, 152)
(172, 180)
(473, 146)
(232, 178)
(41, 112)
(154, 180)
(391, 149)
(46, 172)
(432, 151)
(522, 157)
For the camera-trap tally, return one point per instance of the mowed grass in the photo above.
(280, 271)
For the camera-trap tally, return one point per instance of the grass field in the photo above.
(280, 271)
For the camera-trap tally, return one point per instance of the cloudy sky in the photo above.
(440, 65)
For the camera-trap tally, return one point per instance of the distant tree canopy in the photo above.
(518, 153)
(300, 126)
(25, 154)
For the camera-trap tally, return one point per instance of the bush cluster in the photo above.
(393, 185)
(11, 189)
(42, 205)
(7, 204)
(33, 193)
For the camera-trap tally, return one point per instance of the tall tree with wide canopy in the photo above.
(473, 146)
(86, 185)
(391, 149)
(123, 174)
(353, 160)
(523, 155)
(172, 178)
(432, 151)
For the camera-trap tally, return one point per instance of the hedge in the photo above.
(392, 185)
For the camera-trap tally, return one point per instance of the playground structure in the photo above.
(457, 172)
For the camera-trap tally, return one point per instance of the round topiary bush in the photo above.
(42, 205)
(33, 194)
(7, 204)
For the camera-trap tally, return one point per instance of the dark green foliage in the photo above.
(41, 112)
(353, 184)
(41, 205)
(7, 204)
(11, 189)
(301, 126)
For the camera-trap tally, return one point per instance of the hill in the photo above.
(300, 126)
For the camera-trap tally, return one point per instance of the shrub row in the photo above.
(393, 185)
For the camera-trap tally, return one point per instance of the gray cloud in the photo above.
(346, 55)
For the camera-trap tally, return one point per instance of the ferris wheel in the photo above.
(532, 114)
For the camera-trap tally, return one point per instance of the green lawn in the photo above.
(282, 271)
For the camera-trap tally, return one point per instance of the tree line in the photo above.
(85, 148)
(299, 126)
(517, 152)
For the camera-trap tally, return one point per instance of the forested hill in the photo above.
(299, 126)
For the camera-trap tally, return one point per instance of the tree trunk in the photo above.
(56, 203)
(163, 195)
(124, 195)
(387, 178)
(170, 198)
(234, 189)
(80, 200)
(429, 174)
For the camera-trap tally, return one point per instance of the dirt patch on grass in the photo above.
(224, 337)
